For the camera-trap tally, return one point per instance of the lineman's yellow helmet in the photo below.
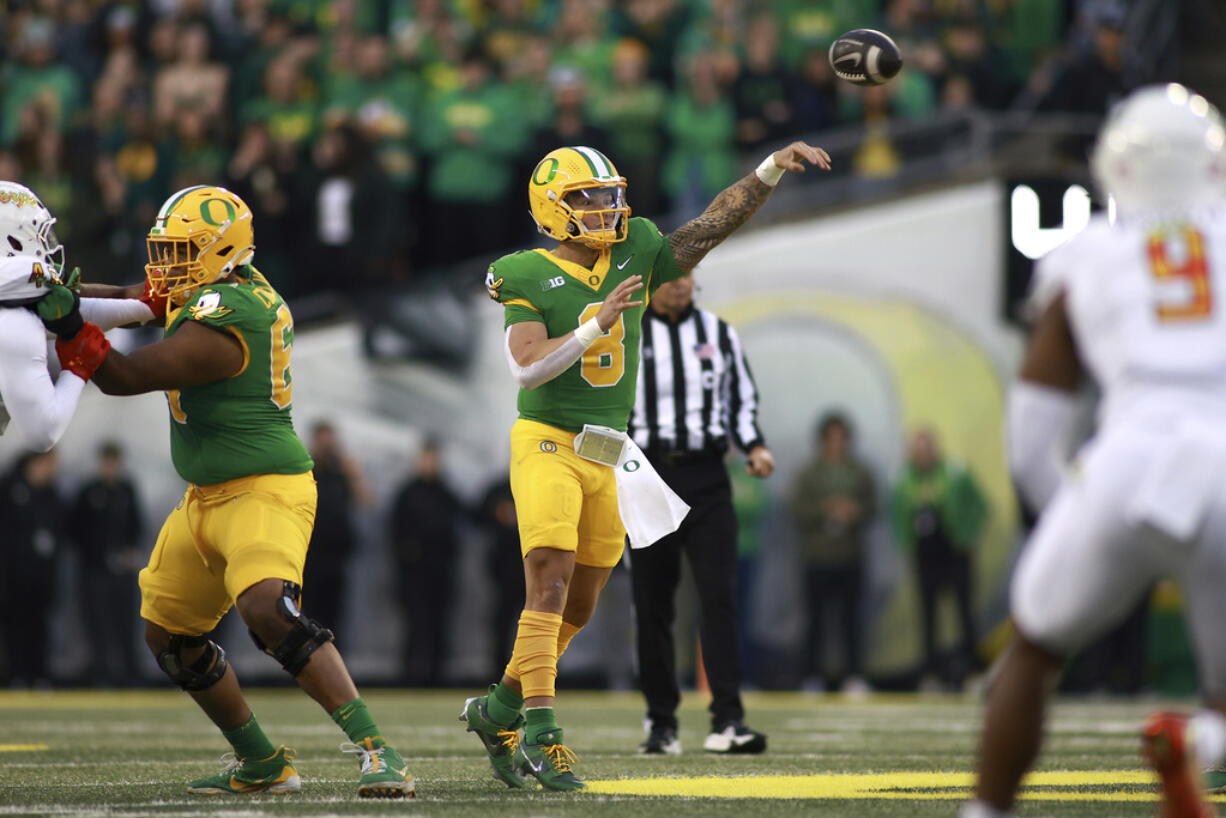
(571, 183)
(201, 235)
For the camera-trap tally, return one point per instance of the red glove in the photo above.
(84, 353)
(156, 303)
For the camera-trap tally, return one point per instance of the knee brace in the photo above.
(304, 638)
(200, 674)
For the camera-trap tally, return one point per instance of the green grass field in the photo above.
(129, 754)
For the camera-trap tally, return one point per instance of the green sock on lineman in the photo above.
(249, 741)
(356, 721)
(504, 704)
(540, 720)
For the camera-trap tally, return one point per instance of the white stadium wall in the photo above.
(890, 313)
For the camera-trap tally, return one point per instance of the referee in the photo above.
(695, 392)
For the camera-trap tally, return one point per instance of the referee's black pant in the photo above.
(708, 538)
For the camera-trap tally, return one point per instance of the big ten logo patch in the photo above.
(553, 283)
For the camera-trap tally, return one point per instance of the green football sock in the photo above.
(504, 704)
(249, 741)
(356, 721)
(540, 720)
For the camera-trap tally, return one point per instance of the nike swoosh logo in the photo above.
(739, 740)
(622, 266)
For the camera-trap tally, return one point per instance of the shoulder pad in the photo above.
(21, 279)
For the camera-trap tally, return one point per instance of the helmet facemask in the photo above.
(605, 201)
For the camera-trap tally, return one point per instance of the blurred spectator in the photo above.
(504, 566)
(35, 521)
(106, 530)
(632, 114)
(342, 490)
(192, 81)
(569, 123)
(938, 513)
(266, 34)
(474, 137)
(134, 174)
(658, 24)
(762, 92)
(425, 538)
(289, 112)
(1097, 79)
(74, 39)
(815, 99)
(833, 501)
(970, 55)
(809, 26)
(359, 227)
(37, 85)
(263, 174)
(428, 37)
(584, 41)
(506, 27)
(526, 74)
(751, 501)
(194, 149)
(383, 102)
(702, 158)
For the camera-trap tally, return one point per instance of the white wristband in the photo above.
(588, 332)
(769, 172)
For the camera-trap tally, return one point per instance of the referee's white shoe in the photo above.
(734, 737)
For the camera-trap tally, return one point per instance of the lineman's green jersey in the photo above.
(537, 286)
(239, 426)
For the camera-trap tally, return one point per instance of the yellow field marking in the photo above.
(893, 786)
(90, 699)
(23, 748)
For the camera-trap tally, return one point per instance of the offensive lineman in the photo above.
(239, 537)
(1139, 305)
(31, 259)
(572, 343)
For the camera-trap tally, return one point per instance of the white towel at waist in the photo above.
(648, 507)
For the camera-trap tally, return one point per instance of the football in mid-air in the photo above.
(864, 56)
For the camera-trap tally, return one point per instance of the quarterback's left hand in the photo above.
(760, 462)
(60, 308)
(794, 156)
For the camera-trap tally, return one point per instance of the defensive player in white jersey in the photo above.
(1140, 306)
(31, 264)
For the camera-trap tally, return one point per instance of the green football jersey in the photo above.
(536, 286)
(239, 426)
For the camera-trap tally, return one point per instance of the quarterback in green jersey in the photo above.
(239, 537)
(572, 321)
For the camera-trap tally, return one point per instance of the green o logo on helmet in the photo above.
(206, 211)
(548, 168)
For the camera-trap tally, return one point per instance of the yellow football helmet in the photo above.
(570, 184)
(201, 235)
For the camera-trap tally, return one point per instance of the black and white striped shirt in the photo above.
(695, 389)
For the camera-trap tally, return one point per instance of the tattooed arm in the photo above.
(735, 205)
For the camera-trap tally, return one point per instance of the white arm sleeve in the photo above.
(109, 313)
(547, 368)
(40, 410)
(1039, 421)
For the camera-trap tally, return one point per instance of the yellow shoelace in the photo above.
(510, 739)
(562, 757)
